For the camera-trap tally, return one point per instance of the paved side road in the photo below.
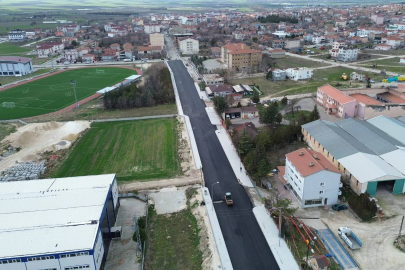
(244, 239)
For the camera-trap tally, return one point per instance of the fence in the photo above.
(146, 229)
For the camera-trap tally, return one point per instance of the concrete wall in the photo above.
(330, 187)
(349, 109)
(98, 250)
(391, 110)
(360, 110)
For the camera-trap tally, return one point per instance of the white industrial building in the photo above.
(313, 179)
(17, 35)
(189, 46)
(57, 224)
(15, 66)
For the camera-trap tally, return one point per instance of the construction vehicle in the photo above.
(344, 77)
(350, 238)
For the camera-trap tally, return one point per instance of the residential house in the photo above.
(49, 48)
(115, 46)
(377, 19)
(336, 102)
(314, 180)
(319, 262)
(242, 112)
(348, 54)
(88, 58)
(218, 90)
(71, 55)
(142, 50)
(393, 41)
(151, 28)
(189, 46)
(277, 44)
(354, 76)
(82, 51)
(383, 47)
(157, 39)
(298, 74)
(213, 79)
(216, 51)
(247, 127)
(278, 74)
(318, 39)
(108, 56)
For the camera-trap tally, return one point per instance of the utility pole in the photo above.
(400, 228)
(73, 82)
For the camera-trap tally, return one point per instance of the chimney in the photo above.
(311, 164)
(301, 153)
(315, 157)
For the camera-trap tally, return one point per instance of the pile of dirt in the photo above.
(35, 139)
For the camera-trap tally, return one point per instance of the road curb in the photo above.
(194, 148)
(216, 230)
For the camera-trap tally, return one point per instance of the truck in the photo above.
(350, 238)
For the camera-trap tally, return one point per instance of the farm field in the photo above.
(55, 92)
(134, 150)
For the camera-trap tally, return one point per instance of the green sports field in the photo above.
(134, 150)
(54, 93)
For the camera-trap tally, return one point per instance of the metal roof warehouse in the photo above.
(61, 223)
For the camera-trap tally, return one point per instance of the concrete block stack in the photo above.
(23, 171)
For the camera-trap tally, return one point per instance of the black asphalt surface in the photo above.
(244, 239)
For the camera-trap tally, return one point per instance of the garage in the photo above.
(392, 186)
(233, 113)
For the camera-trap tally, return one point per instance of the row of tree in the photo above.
(277, 19)
(157, 89)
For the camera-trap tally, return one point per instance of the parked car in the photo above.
(338, 207)
(228, 199)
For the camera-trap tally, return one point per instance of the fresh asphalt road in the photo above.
(244, 239)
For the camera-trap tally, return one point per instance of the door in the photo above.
(372, 188)
(399, 186)
(326, 201)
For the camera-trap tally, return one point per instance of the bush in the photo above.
(363, 206)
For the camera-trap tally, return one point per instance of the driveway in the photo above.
(244, 239)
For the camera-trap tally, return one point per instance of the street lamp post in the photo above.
(73, 82)
(212, 195)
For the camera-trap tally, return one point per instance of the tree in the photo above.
(254, 39)
(228, 123)
(74, 43)
(268, 115)
(279, 118)
(368, 82)
(255, 98)
(284, 101)
(314, 114)
(239, 105)
(245, 144)
(220, 104)
(269, 75)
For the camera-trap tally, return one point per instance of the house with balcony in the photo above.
(313, 180)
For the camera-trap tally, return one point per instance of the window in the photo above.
(10, 261)
(321, 192)
(77, 267)
(357, 182)
(322, 184)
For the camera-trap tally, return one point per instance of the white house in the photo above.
(49, 48)
(151, 28)
(17, 35)
(71, 55)
(402, 60)
(393, 41)
(348, 54)
(383, 47)
(318, 39)
(15, 66)
(314, 180)
(297, 74)
(189, 46)
(362, 32)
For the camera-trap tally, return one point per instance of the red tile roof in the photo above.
(365, 99)
(303, 158)
(341, 97)
(14, 59)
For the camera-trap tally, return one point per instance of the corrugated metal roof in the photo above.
(391, 126)
(367, 137)
(37, 215)
(396, 159)
(337, 141)
(402, 119)
(366, 167)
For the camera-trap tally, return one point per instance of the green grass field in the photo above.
(293, 62)
(10, 49)
(134, 150)
(55, 92)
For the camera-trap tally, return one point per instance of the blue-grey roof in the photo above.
(336, 140)
(402, 119)
(367, 137)
(391, 126)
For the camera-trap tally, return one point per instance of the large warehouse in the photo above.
(57, 224)
(370, 153)
(15, 66)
